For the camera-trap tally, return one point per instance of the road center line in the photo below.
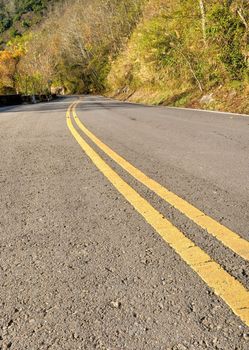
(229, 238)
(224, 285)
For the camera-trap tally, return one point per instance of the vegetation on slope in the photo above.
(178, 54)
(157, 51)
(74, 46)
(16, 16)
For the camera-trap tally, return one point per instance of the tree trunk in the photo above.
(203, 20)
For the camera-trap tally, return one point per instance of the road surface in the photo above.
(123, 227)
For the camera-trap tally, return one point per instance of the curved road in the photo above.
(123, 227)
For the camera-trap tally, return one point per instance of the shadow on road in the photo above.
(86, 106)
(60, 104)
(89, 103)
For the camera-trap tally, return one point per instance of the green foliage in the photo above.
(226, 30)
(155, 43)
(25, 6)
(14, 33)
(26, 24)
(6, 23)
(171, 54)
(11, 15)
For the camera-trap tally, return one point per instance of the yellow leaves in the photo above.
(9, 59)
(6, 63)
(11, 55)
(5, 56)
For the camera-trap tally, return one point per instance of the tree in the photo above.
(203, 19)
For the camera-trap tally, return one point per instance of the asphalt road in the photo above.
(87, 259)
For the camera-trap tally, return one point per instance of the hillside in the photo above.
(181, 53)
(16, 17)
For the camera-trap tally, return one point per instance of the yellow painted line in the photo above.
(229, 238)
(224, 285)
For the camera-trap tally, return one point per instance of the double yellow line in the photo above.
(224, 285)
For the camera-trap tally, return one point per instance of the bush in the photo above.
(26, 24)
(226, 30)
